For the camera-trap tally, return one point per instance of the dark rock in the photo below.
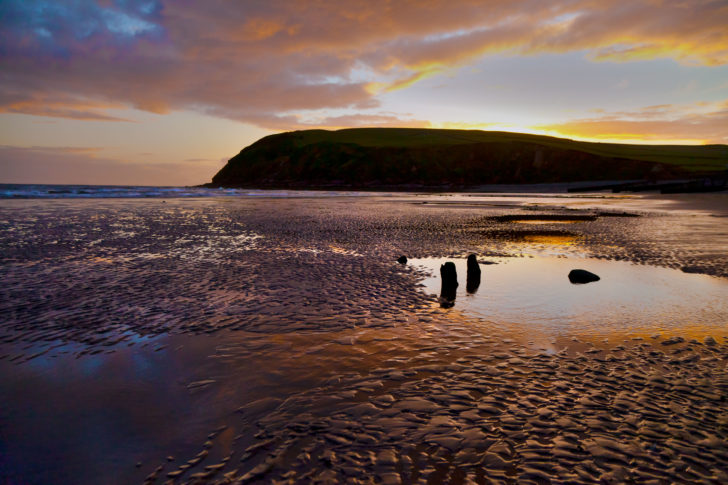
(581, 276)
(691, 269)
(449, 276)
(402, 260)
(473, 265)
(473, 276)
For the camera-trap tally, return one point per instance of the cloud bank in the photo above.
(267, 62)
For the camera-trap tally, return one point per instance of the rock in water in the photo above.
(473, 276)
(402, 260)
(473, 266)
(581, 276)
(449, 276)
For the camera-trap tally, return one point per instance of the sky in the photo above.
(164, 92)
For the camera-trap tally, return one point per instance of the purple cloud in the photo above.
(265, 61)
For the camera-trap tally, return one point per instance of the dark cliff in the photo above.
(412, 158)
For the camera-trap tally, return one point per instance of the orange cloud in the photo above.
(265, 62)
(62, 106)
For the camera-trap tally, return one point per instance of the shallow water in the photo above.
(43, 191)
(535, 293)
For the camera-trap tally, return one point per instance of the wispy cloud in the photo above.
(264, 62)
(63, 106)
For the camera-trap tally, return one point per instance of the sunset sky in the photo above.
(164, 92)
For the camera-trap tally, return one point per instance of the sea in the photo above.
(43, 191)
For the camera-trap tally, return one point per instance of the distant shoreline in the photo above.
(415, 188)
(70, 191)
(712, 182)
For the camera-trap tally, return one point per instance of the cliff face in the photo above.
(283, 161)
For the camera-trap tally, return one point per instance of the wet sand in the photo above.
(277, 340)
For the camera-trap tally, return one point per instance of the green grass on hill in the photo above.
(688, 157)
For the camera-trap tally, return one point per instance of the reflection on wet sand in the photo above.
(540, 222)
(248, 341)
(555, 239)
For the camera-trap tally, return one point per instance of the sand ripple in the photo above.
(314, 357)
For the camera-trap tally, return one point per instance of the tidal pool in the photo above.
(535, 293)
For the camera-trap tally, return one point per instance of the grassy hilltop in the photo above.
(415, 157)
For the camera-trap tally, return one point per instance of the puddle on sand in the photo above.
(536, 293)
(540, 222)
(73, 420)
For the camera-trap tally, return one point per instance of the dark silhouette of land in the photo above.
(428, 159)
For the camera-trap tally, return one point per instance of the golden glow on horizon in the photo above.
(554, 239)
(635, 138)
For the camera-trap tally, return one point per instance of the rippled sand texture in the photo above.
(636, 414)
(277, 340)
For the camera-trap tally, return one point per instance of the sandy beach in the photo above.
(277, 340)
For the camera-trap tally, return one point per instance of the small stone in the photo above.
(582, 276)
